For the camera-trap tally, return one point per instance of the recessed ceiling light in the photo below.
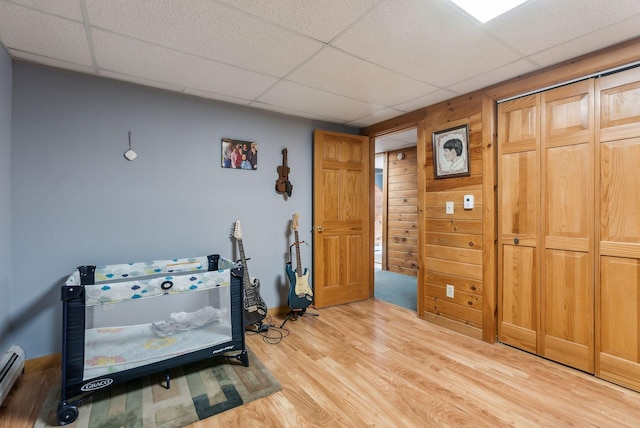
(486, 10)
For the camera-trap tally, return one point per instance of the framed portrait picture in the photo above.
(238, 154)
(451, 152)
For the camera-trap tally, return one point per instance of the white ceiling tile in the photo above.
(51, 62)
(66, 8)
(217, 97)
(399, 140)
(410, 136)
(386, 57)
(290, 112)
(426, 40)
(426, 100)
(609, 36)
(139, 81)
(208, 29)
(335, 71)
(501, 74)
(293, 96)
(27, 30)
(136, 58)
(376, 117)
(321, 20)
(539, 25)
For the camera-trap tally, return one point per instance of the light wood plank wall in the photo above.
(401, 238)
(474, 311)
(452, 250)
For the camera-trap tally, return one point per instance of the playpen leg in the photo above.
(244, 358)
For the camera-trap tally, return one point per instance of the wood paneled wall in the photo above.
(453, 244)
(401, 246)
(476, 318)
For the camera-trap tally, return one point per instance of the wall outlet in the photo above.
(450, 291)
(449, 207)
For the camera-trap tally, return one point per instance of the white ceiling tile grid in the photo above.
(354, 62)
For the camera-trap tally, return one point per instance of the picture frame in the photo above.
(451, 152)
(239, 154)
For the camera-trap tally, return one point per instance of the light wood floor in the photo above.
(375, 364)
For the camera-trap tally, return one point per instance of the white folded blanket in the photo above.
(184, 321)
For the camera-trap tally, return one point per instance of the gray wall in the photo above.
(5, 195)
(76, 200)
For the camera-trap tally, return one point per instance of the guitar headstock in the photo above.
(236, 230)
(294, 222)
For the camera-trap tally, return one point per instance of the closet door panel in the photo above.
(519, 206)
(619, 356)
(519, 317)
(567, 180)
(520, 198)
(620, 188)
(568, 315)
(618, 316)
(567, 117)
(620, 106)
(567, 287)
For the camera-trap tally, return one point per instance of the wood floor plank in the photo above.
(375, 364)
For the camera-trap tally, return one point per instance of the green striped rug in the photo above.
(198, 391)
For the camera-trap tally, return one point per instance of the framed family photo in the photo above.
(238, 154)
(451, 152)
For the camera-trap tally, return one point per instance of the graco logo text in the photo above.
(97, 384)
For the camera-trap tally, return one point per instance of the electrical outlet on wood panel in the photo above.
(450, 291)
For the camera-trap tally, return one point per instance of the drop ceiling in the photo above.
(355, 62)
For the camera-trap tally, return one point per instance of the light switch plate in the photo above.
(449, 207)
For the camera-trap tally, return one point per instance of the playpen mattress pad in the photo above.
(114, 349)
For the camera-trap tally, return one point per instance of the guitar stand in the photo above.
(295, 314)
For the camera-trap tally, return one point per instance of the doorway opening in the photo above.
(395, 219)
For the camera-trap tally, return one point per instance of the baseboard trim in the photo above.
(43, 363)
(474, 332)
(278, 311)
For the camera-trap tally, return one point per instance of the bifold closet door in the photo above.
(567, 218)
(546, 224)
(618, 317)
(518, 203)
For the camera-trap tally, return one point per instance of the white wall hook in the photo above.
(130, 154)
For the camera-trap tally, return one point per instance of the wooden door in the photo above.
(518, 224)
(618, 290)
(567, 284)
(342, 246)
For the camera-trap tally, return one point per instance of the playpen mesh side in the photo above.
(132, 333)
(214, 305)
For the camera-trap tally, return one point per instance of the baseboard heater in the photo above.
(11, 366)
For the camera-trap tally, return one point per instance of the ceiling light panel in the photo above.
(486, 10)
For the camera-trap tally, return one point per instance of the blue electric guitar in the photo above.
(300, 293)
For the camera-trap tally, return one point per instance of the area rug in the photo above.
(396, 288)
(198, 391)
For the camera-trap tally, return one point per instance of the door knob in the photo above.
(319, 229)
